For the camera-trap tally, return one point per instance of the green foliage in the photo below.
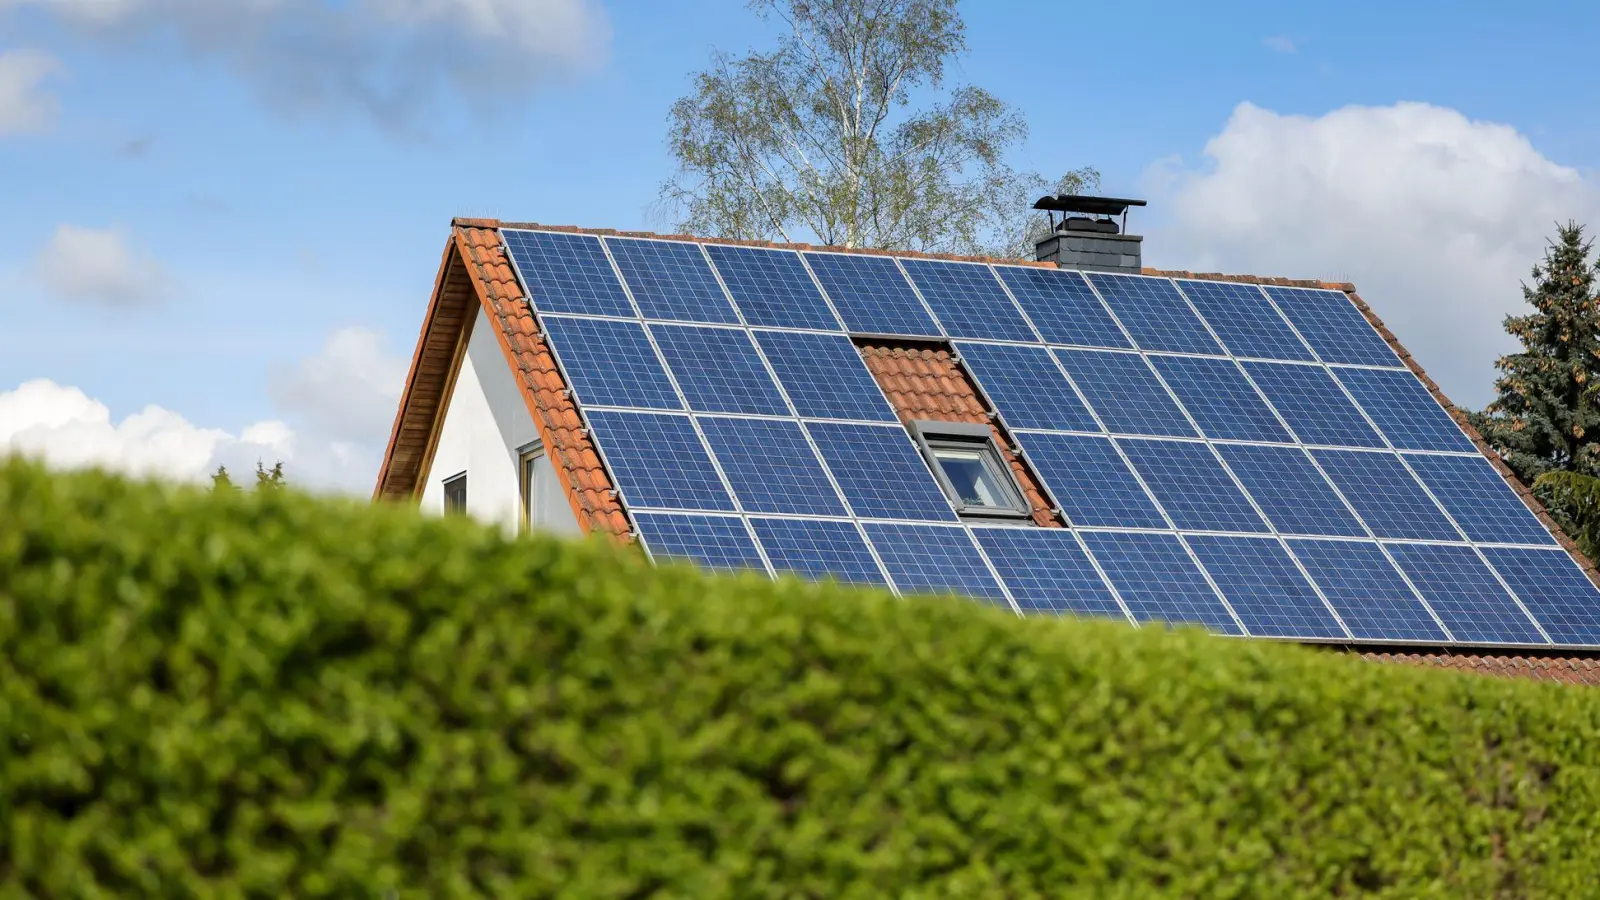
(1546, 416)
(221, 480)
(270, 479)
(1574, 501)
(259, 694)
(846, 134)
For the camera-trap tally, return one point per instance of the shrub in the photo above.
(229, 694)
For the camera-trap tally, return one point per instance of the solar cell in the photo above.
(1125, 393)
(1154, 313)
(1266, 589)
(880, 471)
(1366, 589)
(932, 559)
(611, 363)
(1554, 589)
(1158, 580)
(871, 294)
(772, 287)
(1465, 594)
(1333, 326)
(968, 300)
(714, 542)
(1385, 496)
(719, 370)
(1244, 320)
(1404, 410)
(1090, 482)
(1047, 572)
(1026, 387)
(818, 549)
(1063, 307)
(824, 376)
(1311, 402)
(658, 461)
(566, 273)
(1192, 486)
(1480, 501)
(1290, 490)
(1220, 399)
(671, 280)
(771, 466)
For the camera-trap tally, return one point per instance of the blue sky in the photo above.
(238, 219)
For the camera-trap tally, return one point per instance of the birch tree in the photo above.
(848, 134)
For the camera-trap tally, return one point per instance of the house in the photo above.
(1075, 435)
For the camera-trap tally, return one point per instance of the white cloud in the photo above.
(1280, 44)
(99, 267)
(1436, 218)
(347, 392)
(388, 57)
(25, 107)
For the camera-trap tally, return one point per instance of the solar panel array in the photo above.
(1252, 459)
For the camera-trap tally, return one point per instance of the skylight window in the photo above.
(971, 470)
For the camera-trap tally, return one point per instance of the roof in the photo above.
(475, 274)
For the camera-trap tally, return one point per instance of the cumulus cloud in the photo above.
(99, 267)
(388, 57)
(1435, 217)
(25, 106)
(347, 392)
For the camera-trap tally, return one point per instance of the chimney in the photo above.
(1088, 237)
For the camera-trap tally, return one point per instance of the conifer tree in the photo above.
(1546, 416)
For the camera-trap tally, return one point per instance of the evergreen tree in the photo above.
(269, 479)
(220, 480)
(1547, 415)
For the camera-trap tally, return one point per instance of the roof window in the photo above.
(969, 467)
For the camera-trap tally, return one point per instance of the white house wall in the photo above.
(485, 430)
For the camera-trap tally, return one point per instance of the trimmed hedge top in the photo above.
(267, 695)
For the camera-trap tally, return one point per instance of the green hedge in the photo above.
(274, 696)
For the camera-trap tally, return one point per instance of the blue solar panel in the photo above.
(1026, 386)
(1290, 490)
(1267, 590)
(880, 471)
(871, 294)
(1385, 495)
(1048, 572)
(818, 549)
(1404, 410)
(824, 376)
(671, 280)
(1062, 307)
(1332, 325)
(719, 370)
(1220, 399)
(611, 363)
(968, 300)
(1158, 580)
(715, 542)
(1244, 320)
(1367, 590)
(658, 461)
(1311, 402)
(1192, 486)
(772, 287)
(567, 273)
(1480, 501)
(1155, 313)
(930, 559)
(1090, 482)
(1465, 594)
(1553, 588)
(771, 466)
(1125, 393)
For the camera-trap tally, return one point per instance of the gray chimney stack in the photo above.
(1088, 237)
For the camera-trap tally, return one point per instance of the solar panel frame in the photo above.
(1158, 579)
(1091, 481)
(1222, 401)
(969, 300)
(1154, 313)
(1026, 386)
(773, 288)
(1403, 411)
(1062, 581)
(639, 446)
(1266, 587)
(718, 369)
(1318, 315)
(1371, 594)
(895, 471)
(566, 273)
(771, 466)
(1063, 308)
(936, 559)
(1291, 491)
(836, 384)
(611, 362)
(1478, 499)
(722, 541)
(1125, 394)
(1244, 320)
(1466, 594)
(1386, 495)
(854, 282)
(1192, 486)
(816, 549)
(1548, 582)
(1313, 404)
(671, 280)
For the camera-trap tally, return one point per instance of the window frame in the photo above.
(527, 457)
(450, 489)
(932, 436)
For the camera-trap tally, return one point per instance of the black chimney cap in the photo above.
(1094, 206)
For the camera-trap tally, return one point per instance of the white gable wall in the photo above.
(485, 430)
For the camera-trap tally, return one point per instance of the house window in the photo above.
(455, 494)
(971, 470)
(529, 486)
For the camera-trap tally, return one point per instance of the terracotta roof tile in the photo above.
(1559, 669)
